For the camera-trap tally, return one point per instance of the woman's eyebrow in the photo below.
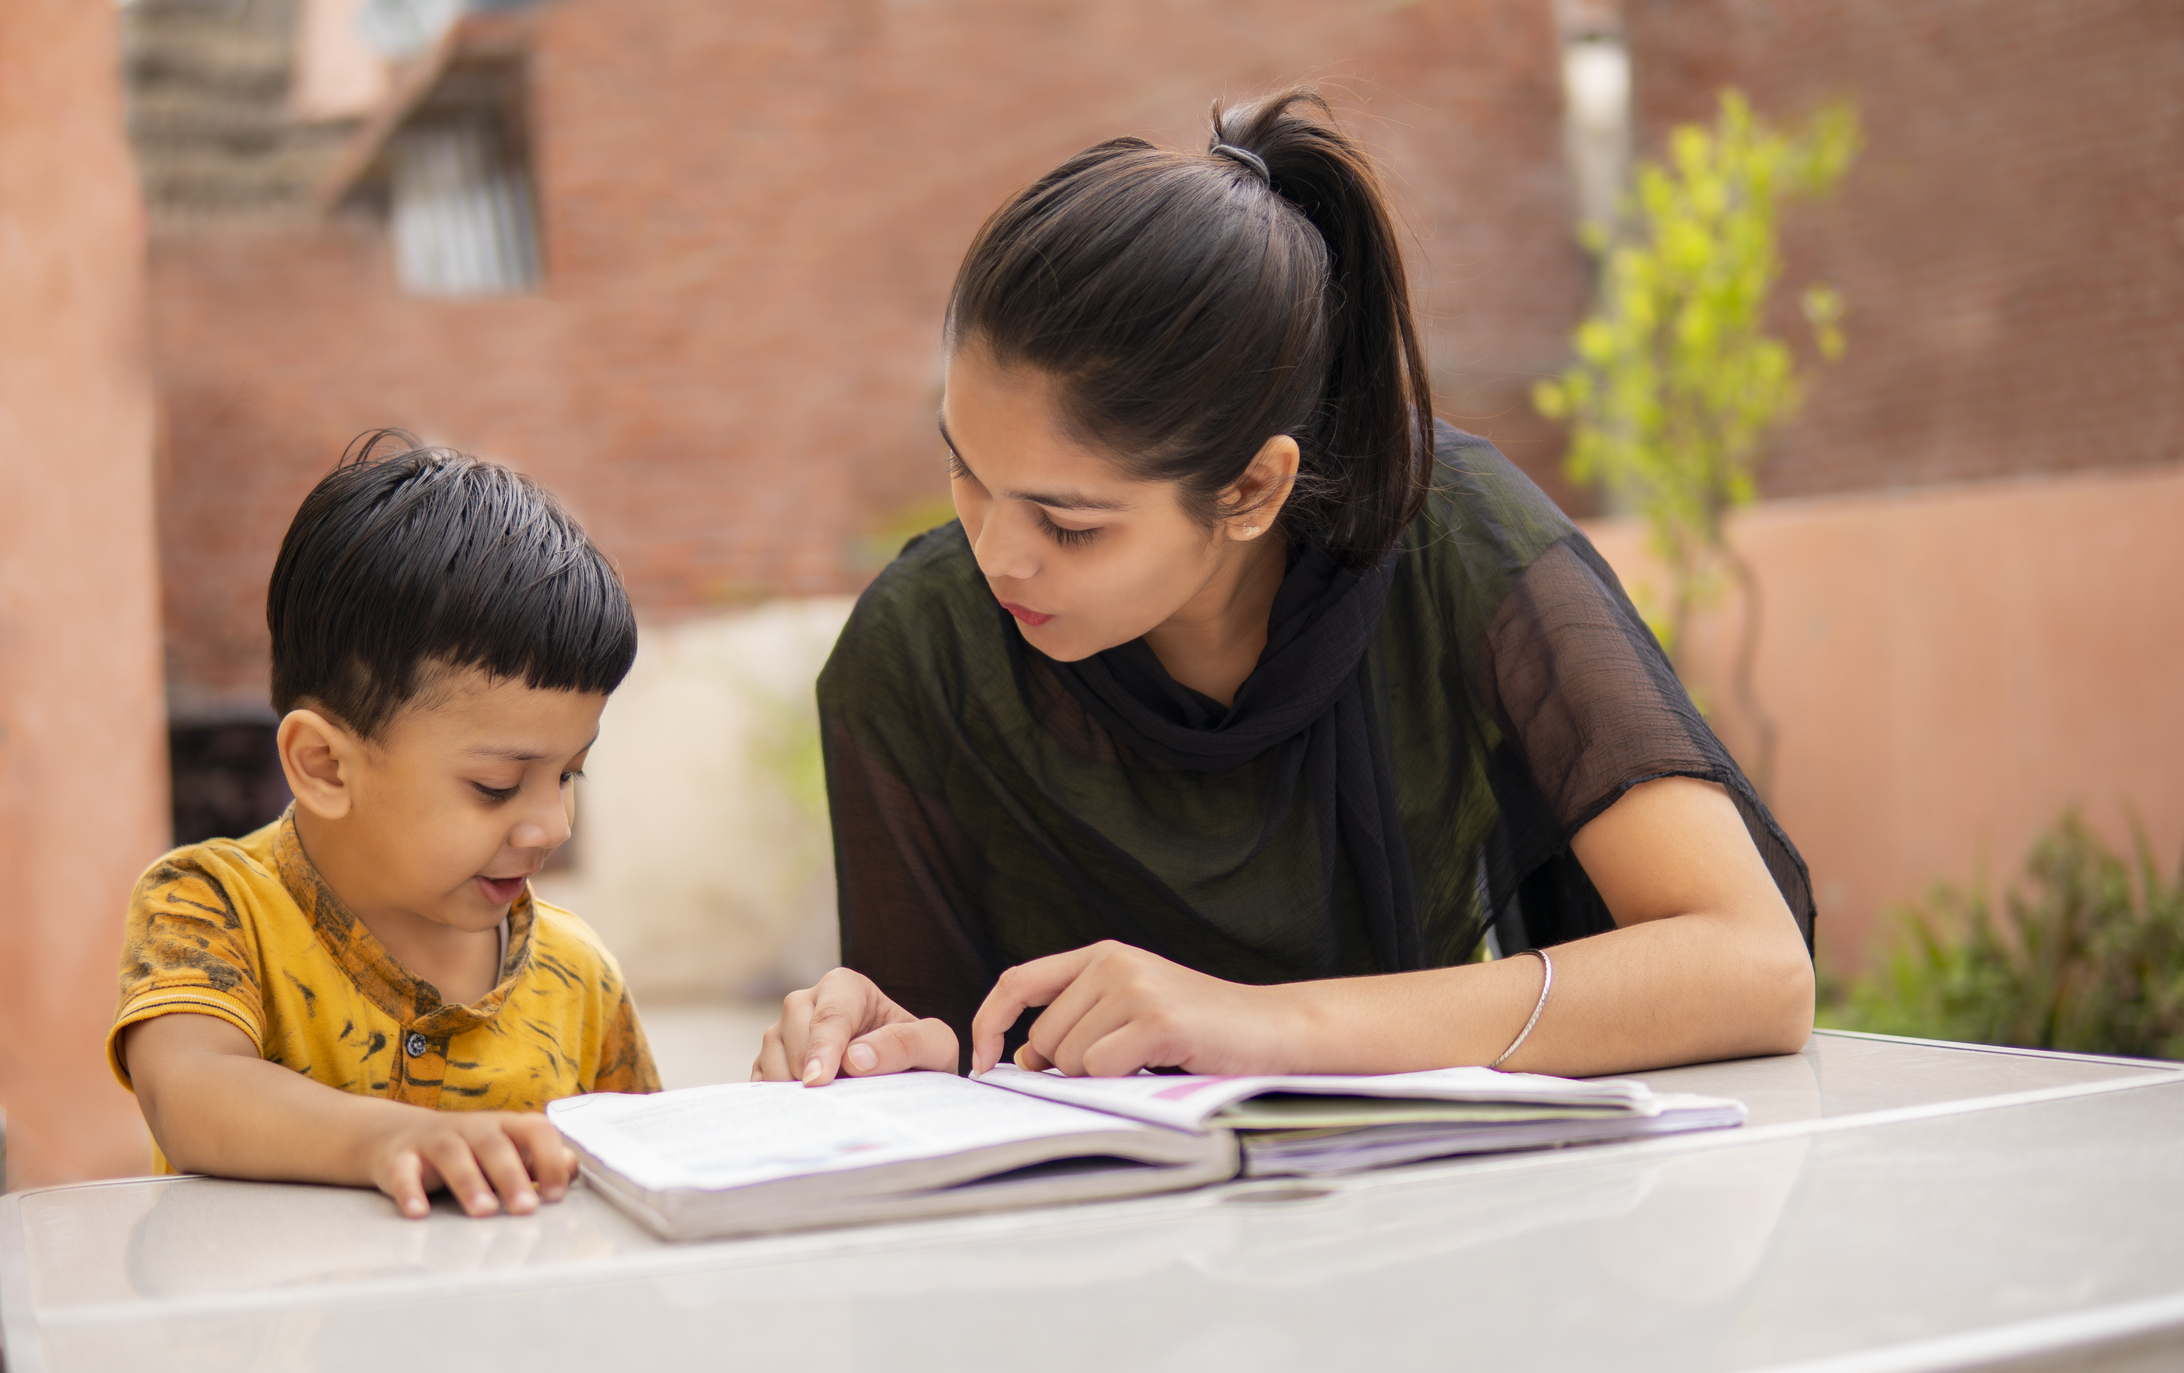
(1060, 500)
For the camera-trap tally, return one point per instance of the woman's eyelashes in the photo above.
(1068, 538)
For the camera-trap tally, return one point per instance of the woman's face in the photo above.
(1082, 555)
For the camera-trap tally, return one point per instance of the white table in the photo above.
(1893, 1204)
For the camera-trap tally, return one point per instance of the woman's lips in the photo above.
(501, 890)
(1029, 617)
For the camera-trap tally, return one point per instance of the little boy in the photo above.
(373, 996)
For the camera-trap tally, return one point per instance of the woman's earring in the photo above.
(1250, 531)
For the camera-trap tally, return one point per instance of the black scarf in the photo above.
(1309, 698)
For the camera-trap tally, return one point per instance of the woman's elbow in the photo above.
(1782, 996)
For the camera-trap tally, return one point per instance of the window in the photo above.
(460, 210)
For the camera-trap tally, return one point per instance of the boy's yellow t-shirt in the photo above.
(246, 930)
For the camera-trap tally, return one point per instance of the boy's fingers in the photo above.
(1036, 983)
(405, 1182)
(900, 1048)
(503, 1164)
(450, 1153)
(552, 1162)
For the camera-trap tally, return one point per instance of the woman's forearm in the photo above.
(1706, 963)
(1686, 989)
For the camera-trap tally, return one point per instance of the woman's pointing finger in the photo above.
(1036, 983)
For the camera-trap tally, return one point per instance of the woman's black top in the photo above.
(1404, 768)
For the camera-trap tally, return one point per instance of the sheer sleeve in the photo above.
(911, 873)
(1589, 707)
(906, 879)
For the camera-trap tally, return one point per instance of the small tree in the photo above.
(1677, 379)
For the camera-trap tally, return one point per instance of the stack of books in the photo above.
(750, 1158)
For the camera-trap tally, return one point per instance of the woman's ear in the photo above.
(1258, 495)
(320, 759)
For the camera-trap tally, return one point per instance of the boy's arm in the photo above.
(216, 1107)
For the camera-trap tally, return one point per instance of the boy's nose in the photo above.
(547, 830)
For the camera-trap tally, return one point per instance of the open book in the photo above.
(746, 1158)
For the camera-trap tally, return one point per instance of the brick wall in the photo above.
(2011, 242)
(750, 217)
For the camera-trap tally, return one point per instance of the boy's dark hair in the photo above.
(400, 564)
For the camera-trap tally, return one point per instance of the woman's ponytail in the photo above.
(1191, 306)
(1375, 443)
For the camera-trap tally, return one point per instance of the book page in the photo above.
(742, 1133)
(1190, 1102)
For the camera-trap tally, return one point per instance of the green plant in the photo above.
(1677, 379)
(2087, 955)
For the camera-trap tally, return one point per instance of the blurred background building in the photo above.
(685, 260)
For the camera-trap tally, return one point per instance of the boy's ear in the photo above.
(320, 759)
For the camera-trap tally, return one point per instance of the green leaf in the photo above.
(1676, 382)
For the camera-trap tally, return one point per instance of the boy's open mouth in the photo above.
(501, 890)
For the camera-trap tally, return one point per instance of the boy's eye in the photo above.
(571, 776)
(495, 793)
(1066, 537)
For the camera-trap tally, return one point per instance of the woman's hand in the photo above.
(845, 1025)
(1112, 1009)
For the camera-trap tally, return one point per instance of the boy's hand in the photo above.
(474, 1154)
(216, 1107)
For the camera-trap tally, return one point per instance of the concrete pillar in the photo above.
(83, 787)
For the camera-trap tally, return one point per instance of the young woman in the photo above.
(1245, 698)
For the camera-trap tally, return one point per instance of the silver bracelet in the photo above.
(1545, 983)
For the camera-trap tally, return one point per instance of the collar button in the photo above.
(416, 1045)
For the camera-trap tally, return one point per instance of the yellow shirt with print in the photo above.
(246, 930)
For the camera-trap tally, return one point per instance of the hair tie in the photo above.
(1256, 163)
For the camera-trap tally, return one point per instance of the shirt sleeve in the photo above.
(185, 949)
(1590, 707)
(625, 1056)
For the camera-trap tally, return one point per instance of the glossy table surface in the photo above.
(1892, 1204)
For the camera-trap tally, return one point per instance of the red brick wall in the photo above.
(2011, 242)
(751, 215)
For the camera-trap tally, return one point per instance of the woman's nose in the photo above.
(1004, 548)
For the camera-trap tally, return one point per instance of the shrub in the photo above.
(2087, 954)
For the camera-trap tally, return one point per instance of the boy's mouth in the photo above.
(501, 890)
(1029, 617)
